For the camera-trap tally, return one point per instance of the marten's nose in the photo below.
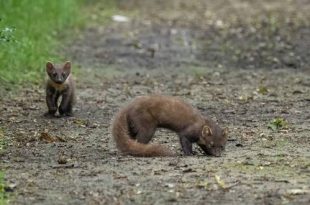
(58, 80)
(217, 152)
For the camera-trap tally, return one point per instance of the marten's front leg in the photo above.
(51, 101)
(186, 145)
(65, 107)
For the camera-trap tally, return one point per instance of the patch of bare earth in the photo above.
(244, 63)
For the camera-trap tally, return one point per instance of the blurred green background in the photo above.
(30, 33)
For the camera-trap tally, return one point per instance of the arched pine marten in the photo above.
(134, 126)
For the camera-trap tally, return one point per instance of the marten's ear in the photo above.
(206, 131)
(49, 67)
(67, 67)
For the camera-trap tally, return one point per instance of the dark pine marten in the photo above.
(59, 83)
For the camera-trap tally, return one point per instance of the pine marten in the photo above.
(134, 126)
(59, 83)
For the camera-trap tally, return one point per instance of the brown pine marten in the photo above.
(59, 83)
(134, 126)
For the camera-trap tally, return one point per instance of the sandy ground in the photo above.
(243, 63)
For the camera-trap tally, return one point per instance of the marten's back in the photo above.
(165, 111)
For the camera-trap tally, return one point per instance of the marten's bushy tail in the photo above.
(127, 145)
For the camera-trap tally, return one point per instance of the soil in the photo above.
(243, 63)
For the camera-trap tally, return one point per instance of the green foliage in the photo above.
(2, 140)
(277, 124)
(3, 197)
(262, 90)
(29, 34)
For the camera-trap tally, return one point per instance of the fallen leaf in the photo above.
(46, 137)
(80, 122)
(262, 90)
(50, 139)
(298, 191)
(59, 166)
(220, 182)
(204, 184)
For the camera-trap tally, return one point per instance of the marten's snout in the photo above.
(59, 79)
(217, 152)
(211, 150)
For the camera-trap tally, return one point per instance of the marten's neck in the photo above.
(59, 86)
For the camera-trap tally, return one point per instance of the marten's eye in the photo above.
(54, 74)
(63, 75)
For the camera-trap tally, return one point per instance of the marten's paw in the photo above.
(49, 115)
(65, 111)
(66, 114)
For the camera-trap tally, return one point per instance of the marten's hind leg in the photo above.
(145, 135)
(142, 130)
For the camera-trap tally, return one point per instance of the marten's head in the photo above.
(213, 139)
(58, 74)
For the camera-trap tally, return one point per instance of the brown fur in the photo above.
(134, 126)
(59, 84)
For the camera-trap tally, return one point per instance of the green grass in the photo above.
(3, 197)
(29, 35)
(2, 140)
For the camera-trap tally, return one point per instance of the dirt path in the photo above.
(242, 64)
